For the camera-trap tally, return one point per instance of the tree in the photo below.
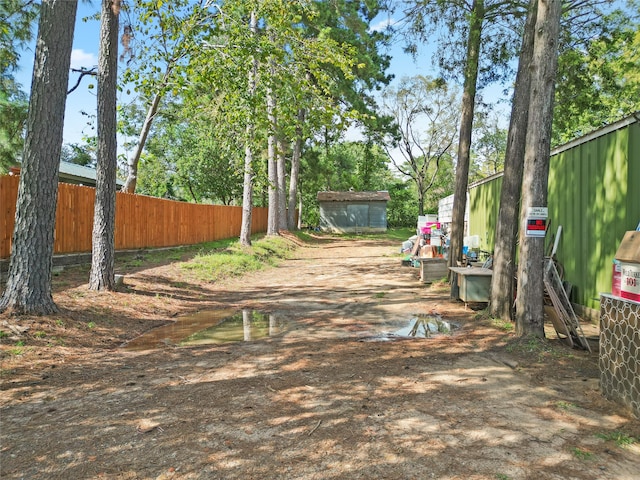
(402, 209)
(488, 146)
(247, 184)
(598, 65)
(504, 257)
(442, 187)
(14, 106)
(101, 276)
(15, 30)
(482, 30)
(281, 165)
(529, 302)
(321, 55)
(296, 155)
(157, 178)
(79, 154)
(341, 166)
(456, 236)
(580, 21)
(306, 66)
(173, 31)
(156, 170)
(341, 65)
(426, 115)
(273, 221)
(298, 66)
(28, 288)
(207, 166)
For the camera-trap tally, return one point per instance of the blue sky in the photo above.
(85, 54)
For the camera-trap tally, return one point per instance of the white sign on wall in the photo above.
(536, 222)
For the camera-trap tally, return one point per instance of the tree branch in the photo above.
(82, 71)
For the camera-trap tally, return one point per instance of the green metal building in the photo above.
(594, 194)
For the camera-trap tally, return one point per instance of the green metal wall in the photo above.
(594, 193)
(484, 203)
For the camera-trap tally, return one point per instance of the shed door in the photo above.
(357, 215)
(378, 215)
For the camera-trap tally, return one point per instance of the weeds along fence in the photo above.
(141, 221)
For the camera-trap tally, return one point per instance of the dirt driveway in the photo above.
(332, 395)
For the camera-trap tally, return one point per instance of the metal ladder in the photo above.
(562, 305)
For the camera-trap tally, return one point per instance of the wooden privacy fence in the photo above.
(141, 221)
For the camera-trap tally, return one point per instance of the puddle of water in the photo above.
(242, 327)
(212, 327)
(229, 326)
(420, 326)
(425, 327)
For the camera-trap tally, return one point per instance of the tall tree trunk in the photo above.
(504, 256)
(247, 190)
(247, 186)
(28, 288)
(104, 217)
(282, 185)
(132, 163)
(529, 304)
(464, 142)
(272, 169)
(420, 189)
(295, 171)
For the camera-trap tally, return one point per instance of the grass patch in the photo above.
(621, 439)
(566, 405)
(582, 454)
(537, 347)
(504, 325)
(529, 344)
(304, 236)
(220, 260)
(17, 349)
(393, 234)
(500, 324)
(400, 234)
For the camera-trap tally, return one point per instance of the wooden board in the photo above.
(557, 322)
(629, 249)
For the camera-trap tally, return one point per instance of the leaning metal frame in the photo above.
(561, 303)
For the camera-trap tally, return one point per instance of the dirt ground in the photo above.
(331, 396)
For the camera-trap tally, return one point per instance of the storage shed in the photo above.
(353, 212)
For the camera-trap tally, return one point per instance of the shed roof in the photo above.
(382, 196)
(72, 172)
(80, 173)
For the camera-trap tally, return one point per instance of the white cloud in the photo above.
(382, 25)
(80, 58)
